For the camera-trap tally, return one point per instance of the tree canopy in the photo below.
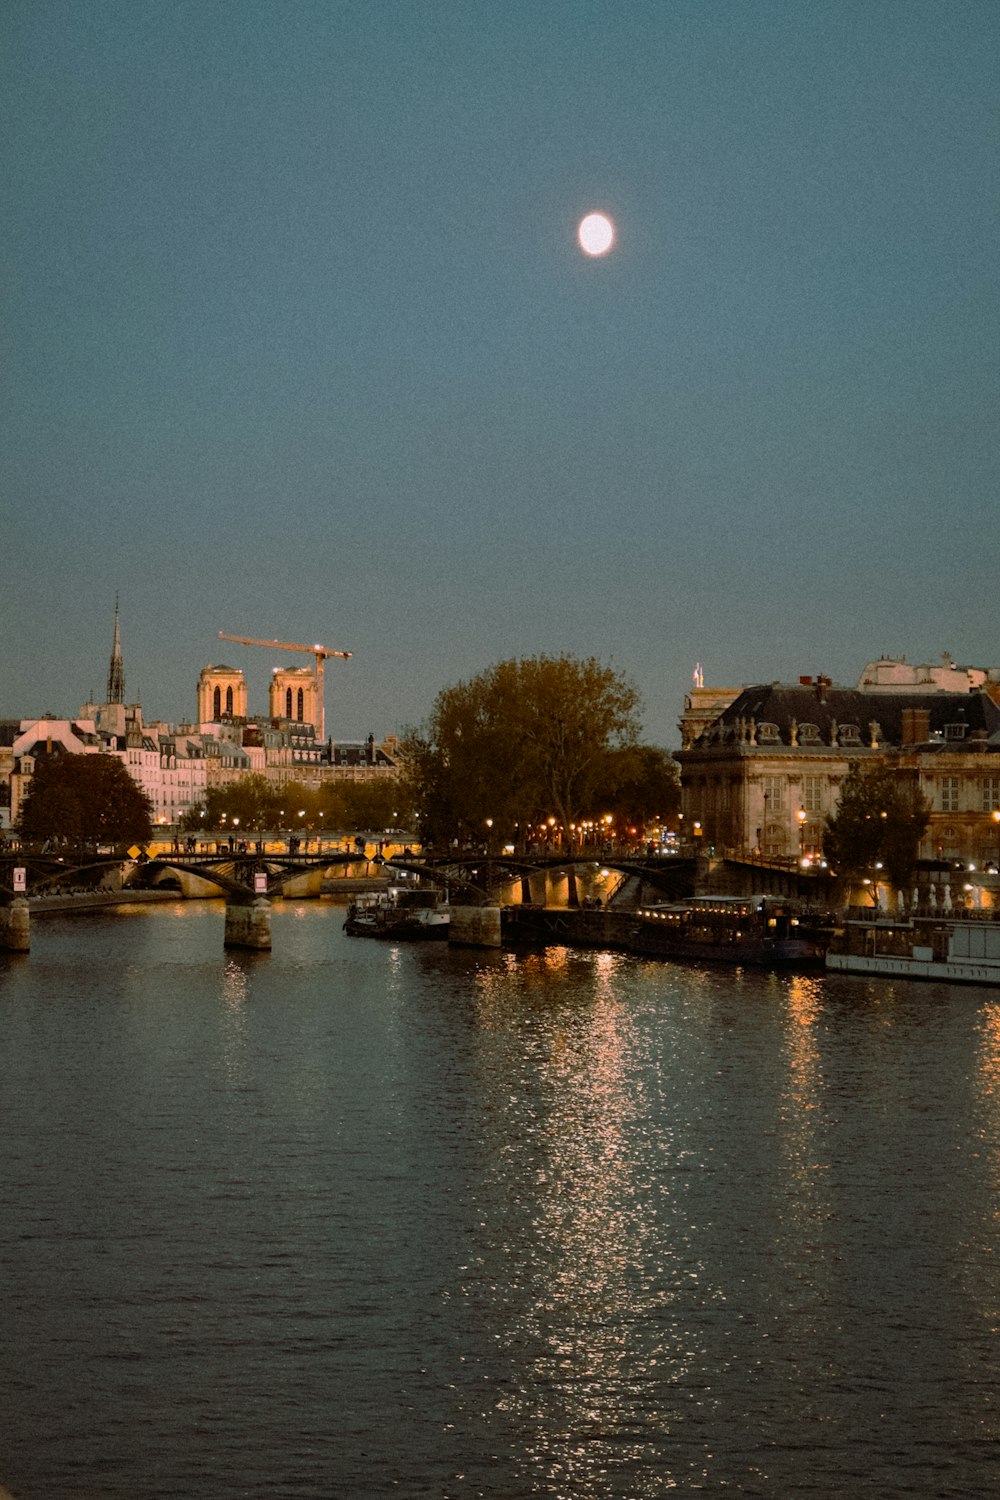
(523, 741)
(878, 825)
(643, 786)
(370, 802)
(84, 799)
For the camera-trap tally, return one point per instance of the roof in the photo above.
(833, 709)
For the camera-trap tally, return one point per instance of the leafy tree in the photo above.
(251, 798)
(368, 802)
(879, 822)
(644, 786)
(523, 740)
(84, 799)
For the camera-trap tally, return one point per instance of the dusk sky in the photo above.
(299, 342)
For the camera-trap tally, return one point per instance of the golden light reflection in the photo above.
(988, 1090)
(234, 984)
(233, 1035)
(583, 1259)
(802, 1118)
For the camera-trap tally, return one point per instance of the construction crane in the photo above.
(321, 653)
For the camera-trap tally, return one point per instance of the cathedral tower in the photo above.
(295, 695)
(222, 695)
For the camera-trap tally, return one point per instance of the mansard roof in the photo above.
(831, 709)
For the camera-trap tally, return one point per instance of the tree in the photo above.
(876, 831)
(257, 804)
(644, 786)
(369, 802)
(84, 799)
(521, 741)
(251, 799)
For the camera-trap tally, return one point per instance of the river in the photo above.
(356, 1220)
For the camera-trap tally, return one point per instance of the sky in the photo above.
(298, 343)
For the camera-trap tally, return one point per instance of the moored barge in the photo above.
(764, 931)
(940, 948)
(400, 914)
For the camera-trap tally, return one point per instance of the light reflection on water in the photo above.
(352, 1219)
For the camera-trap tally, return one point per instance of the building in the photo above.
(765, 774)
(222, 697)
(894, 674)
(177, 765)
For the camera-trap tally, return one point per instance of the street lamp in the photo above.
(801, 815)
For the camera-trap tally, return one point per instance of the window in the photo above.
(949, 794)
(229, 700)
(774, 792)
(991, 793)
(299, 715)
(954, 731)
(850, 734)
(217, 704)
(812, 793)
(808, 734)
(767, 734)
(288, 703)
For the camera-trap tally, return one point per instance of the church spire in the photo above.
(116, 670)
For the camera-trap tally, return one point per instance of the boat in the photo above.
(952, 949)
(400, 913)
(764, 931)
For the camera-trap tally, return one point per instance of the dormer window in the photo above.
(850, 734)
(955, 731)
(767, 734)
(808, 734)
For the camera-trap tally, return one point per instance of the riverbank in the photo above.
(81, 901)
(87, 901)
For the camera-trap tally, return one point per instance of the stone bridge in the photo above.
(232, 875)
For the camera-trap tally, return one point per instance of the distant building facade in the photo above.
(767, 772)
(177, 765)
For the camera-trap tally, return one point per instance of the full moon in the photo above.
(596, 234)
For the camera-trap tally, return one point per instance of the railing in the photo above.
(925, 912)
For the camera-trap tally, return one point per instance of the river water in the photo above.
(352, 1220)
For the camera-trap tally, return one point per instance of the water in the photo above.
(352, 1220)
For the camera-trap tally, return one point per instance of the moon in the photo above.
(596, 234)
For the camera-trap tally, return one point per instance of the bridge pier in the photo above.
(15, 926)
(475, 926)
(248, 926)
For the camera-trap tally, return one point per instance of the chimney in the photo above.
(822, 683)
(916, 726)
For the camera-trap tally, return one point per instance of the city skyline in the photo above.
(302, 344)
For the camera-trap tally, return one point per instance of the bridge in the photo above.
(624, 879)
(247, 881)
(250, 880)
(234, 875)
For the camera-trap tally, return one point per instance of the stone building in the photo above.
(222, 696)
(764, 775)
(294, 695)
